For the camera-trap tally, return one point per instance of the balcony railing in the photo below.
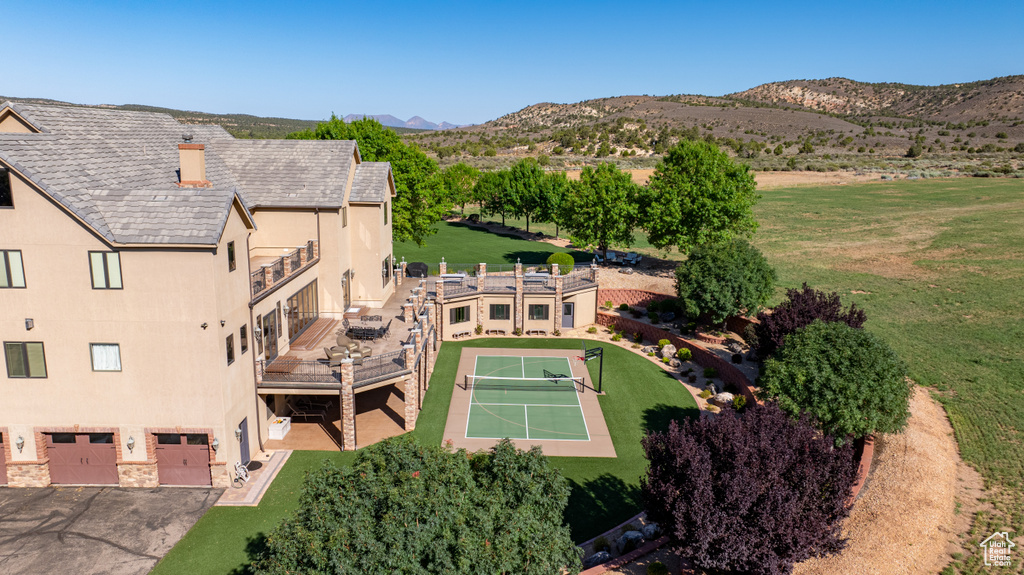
(464, 286)
(372, 369)
(538, 283)
(379, 367)
(578, 279)
(270, 274)
(499, 283)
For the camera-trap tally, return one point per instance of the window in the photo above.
(106, 270)
(25, 359)
(538, 311)
(243, 338)
(105, 356)
(6, 196)
(231, 256)
(385, 270)
(231, 349)
(344, 217)
(500, 310)
(12, 271)
(257, 334)
(303, 309)
(385, 213)
(459, 314)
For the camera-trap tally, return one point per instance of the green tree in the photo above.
(601, 208)
(409, 508)
(459, 180)
(698, 195)
(564, 261)
(778, 150)
(720, 280)
(420, 199)
(851, 381)
(554, 188)
(526, 180)
(493, 192)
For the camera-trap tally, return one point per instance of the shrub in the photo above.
(712, 408)
(650, 354)
(638, 337)
(564, 261)
(556, 333)
(479, 329)
(636, 312)
(1001, 135)
(601, 544)
(558, 150)
(800, 308)
(591, 329)
(750, 335)
(684, 354)
(653, 316)
(518, 331)
(666, 360)
(608, 304)
(739, 402)
(710, 373)
(718, 281)
(705, 394)
(852, 382)
(623, 307)
(617, 337)
(653, 306)
(382, 514)
(752, 494)
(657, 568)
(663, 342)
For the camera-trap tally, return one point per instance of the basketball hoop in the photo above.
(577, 359)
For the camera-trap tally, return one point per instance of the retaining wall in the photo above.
(630, 297)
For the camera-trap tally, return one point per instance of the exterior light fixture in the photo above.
(222, 323)
(215, 444)
(29, 323)
(205, 325)
(130, 444)
(238, 433)
(20, 443)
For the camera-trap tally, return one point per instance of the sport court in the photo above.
(535, 397)
(525, 397)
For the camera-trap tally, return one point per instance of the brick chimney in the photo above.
(192, 158)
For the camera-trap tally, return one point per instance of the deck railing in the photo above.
(464, 286)
(578, 279)
(499, 283)
(284, 370)
(260, 280)
(380, 366)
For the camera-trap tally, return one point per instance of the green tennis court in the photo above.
(524, 397)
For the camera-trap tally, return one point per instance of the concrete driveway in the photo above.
(95, 529)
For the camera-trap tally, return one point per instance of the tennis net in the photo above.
(556, 383)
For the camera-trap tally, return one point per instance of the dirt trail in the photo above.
(769, 180)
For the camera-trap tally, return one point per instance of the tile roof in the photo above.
(118, 172)
(370, 184)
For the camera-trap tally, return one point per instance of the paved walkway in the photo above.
(87, 530)
(253, 491)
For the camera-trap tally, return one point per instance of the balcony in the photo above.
(269, 271)
(289, 370)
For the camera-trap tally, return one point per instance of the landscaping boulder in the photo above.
(734, 346)
(668, 316)
(651, 531)
(596, 559)
(723, 399)
(675, 363)
(650, 349)
(629, 541)
(668, 351)
(711, 387)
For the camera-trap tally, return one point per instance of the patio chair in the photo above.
(386, 330)
(306, 413)
(336, 352)
(310, 404)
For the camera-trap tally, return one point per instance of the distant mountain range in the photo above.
(414, 123)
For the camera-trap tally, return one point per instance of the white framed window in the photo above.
(105, 356)
(12, 270)
(106, 270)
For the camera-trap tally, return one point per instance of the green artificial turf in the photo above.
(605, 491)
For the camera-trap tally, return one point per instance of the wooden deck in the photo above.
(310, 339)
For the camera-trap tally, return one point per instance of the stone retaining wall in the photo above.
(630, 297)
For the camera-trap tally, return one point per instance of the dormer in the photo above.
(11, 122)
(192, 168)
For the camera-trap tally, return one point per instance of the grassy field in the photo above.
(605, 491)
(939, 267)
(459, 243)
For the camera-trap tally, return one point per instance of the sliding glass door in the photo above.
(303, 310)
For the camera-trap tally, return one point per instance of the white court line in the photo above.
(526, 418)
(531, 404)
(523, 358)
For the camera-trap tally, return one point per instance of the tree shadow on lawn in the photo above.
(600, 504)
(533, 257)
(255, 547)
(658, 417)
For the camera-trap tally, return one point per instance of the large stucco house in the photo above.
(151, 271)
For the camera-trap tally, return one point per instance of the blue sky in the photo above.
(469, 62)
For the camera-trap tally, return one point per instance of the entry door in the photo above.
(270, 336)
(567, 312)
(244, 426)
(3, 462)
(183, 459)
(82, 458)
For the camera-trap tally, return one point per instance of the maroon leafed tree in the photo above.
(752, 493)
(800, 309)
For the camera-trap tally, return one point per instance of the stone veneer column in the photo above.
(287, 264)
(348, 406)
(302, 256)
(407, 312)
(411, 389)
(518, 323)
(440, 308)
(401, 273)
(422, 299)
(558, 297)
(268, 275)
(316, 249)
(417, 338)
(593, 271)
(443, 266)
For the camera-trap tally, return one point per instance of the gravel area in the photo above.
(905, 519)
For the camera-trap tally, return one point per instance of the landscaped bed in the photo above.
(639, 396)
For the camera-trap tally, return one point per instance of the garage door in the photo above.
(183, 459)
(3, 462)
(82, 458)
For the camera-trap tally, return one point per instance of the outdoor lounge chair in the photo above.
(310, 413)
